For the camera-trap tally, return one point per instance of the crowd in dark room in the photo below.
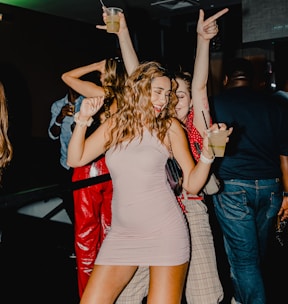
(36, 49)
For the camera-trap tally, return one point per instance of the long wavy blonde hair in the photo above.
(6, 151)
(135, 110)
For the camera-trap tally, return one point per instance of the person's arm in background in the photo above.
(283, 140)
(206, 30)
(83, 87)
(283, 212)
(57, 117)
(127, 50)
(54, 129)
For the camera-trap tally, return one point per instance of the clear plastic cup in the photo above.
(113, 19)
(217, 142)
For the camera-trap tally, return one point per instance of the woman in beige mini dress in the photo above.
(148, 226)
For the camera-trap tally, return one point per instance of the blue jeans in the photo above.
(246, 211)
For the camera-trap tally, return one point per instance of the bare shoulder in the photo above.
(176, 127)
(178, 138)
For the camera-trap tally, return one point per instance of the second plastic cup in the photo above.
(113, 19)
(71, 109)
(217, 142)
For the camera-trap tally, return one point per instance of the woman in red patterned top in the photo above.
(203, 284)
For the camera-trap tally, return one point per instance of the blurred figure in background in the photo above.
(254, 164)
(281, 93)
(6, 150)
(92, 204)
(60, 128)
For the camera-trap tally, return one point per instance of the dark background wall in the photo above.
(264, 19)
(35, 50)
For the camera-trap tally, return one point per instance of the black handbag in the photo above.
(174, 172)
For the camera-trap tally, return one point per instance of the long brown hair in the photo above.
(136, 111)
(113, 85)
(6, 151)
(115, 78)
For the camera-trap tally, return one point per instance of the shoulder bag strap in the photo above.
(170, 146)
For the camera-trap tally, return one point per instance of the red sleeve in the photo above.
(194, 136)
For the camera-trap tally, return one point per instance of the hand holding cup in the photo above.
(111, 17)
(217, 139)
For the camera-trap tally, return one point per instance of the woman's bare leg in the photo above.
(105, 283)
(166, 284)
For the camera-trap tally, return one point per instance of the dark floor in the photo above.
(35, 266)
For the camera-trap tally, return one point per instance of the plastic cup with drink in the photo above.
(113, 19)
(217, 142)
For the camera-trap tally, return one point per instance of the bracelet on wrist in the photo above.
(206, 160)
(81, 123)
(58, 124)
(285, 193)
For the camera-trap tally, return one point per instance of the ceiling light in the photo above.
(174, 5)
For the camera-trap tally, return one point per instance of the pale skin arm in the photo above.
(85, 88)
(81, 151)
(127, 50)
(195, 176)
(206, 30)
